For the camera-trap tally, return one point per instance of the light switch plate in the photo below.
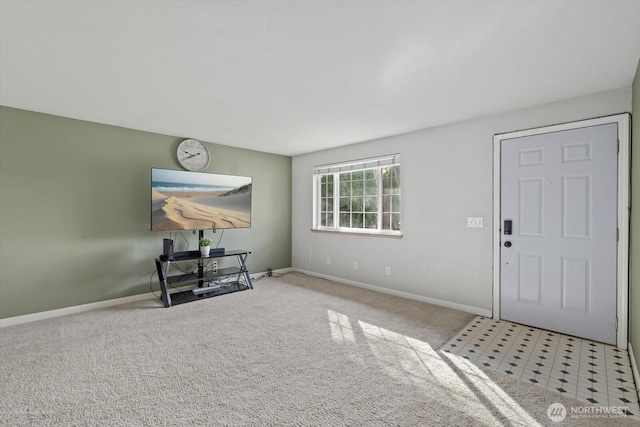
(474, 222)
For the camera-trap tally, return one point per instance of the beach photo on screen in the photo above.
(183, 200)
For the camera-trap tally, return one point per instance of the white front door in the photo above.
(558, 216)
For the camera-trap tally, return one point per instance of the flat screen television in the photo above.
(183, 200)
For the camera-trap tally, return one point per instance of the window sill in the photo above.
(376, 233)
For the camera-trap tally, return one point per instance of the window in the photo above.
(361, 196)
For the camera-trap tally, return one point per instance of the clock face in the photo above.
(193, 155)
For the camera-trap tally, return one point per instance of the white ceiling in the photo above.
(291, 77)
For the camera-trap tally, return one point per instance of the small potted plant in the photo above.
(205, 246)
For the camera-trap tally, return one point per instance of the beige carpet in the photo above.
(296, 350)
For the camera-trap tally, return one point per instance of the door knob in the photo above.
(507, 244)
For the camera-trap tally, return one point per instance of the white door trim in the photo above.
(624, 158)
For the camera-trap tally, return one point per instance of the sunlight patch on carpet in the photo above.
(414, 362)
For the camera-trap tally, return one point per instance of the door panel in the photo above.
(576, 207)
(530, 278)
(558, 270)
(575, 284)
(531, 207)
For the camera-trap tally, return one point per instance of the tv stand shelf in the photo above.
(209, 283)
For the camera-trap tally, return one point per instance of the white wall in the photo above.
(446, 176)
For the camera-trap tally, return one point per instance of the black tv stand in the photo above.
(184, 254)
(210, 283)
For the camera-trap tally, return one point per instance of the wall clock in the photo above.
(193, 155)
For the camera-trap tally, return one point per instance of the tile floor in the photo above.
(587, 371)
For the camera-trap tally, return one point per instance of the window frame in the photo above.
(377, 164)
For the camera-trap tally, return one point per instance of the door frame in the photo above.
(624, 179)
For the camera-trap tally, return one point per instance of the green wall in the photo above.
(74, 210)
(634, 250)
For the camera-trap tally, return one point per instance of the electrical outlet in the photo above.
(328, 260)
(355, 264)
(474, 222)
(387, 271)
(214, 266)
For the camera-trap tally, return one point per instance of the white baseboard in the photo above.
(50, 314)
(469, 309)
(26, 318)
(33, 317)
(634, 368)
